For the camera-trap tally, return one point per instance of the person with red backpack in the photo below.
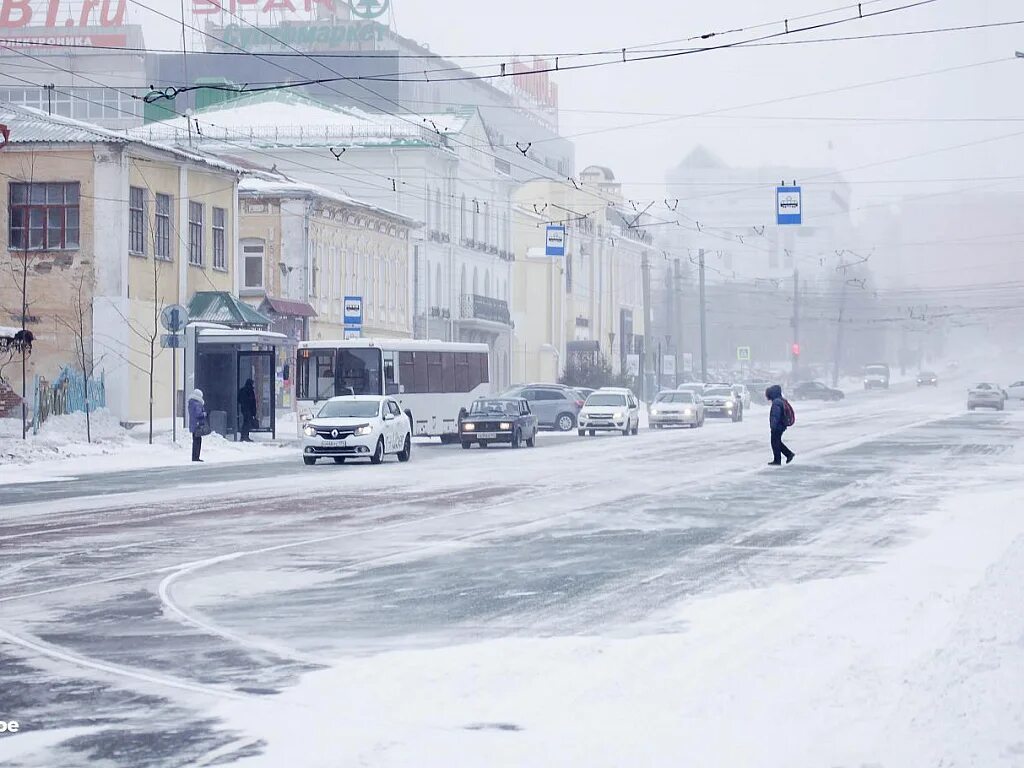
(780, 418)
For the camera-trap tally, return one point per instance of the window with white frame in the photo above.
(162, 231)
(253, 251)
(196, 242)
(137, 220)
(220, 259)
(43, 216)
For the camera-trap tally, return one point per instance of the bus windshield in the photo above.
(327, 373)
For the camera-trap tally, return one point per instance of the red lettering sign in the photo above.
(18, 14)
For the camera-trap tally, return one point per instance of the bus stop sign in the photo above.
(174, 318)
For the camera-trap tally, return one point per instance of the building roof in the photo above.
(31, 126)
(287, 307)
(258, 186)
(221, 307)
(278, 118)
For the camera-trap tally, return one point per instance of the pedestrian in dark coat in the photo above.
(247, 409)
(779, 424)
(197, 421)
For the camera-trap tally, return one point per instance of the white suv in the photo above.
(610, 410)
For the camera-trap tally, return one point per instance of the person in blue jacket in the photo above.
(779, 424)
(197, 421)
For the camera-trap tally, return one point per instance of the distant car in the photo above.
(1016, 390)
(815, 390)
(694, 387)
(357, 427)
(927, 379)
(985, 395)
(876, 376)
(493, 420)
(676, 409)
(722, 403)
(555, 405)
(585, 392)
(610, 410)
(756, 387)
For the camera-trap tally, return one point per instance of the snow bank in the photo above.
(61, 450)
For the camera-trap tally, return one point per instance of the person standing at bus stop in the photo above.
(198, 423)
(247, 409)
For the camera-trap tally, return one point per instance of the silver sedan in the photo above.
(985, 396)
(676, 409)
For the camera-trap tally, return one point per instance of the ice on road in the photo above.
(656, 600)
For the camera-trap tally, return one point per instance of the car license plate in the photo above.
(487, 435)
(334, 443)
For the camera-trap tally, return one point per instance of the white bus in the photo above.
(431, 380)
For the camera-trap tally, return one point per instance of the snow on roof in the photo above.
(32, 126)
(281, 119)
(253, 186)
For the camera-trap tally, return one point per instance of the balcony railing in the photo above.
(476, 307)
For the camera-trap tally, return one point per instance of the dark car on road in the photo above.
(498, 420)
(927, 379)
(815, 390)
(555, 405)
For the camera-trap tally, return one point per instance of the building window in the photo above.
(162, 233)
(220, 260)
(252, 263)
(137, 220)
(43, 216)
(196, 213)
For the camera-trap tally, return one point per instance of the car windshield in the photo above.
(927, 375)
(876, 370)
(504, 407)
(606, 400)
(719, 392)
(984, 386)
(675, 397)
(349, 409)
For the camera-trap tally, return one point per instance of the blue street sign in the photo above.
(172, 340)
(788, 205)
(353, 310)
(555, 245)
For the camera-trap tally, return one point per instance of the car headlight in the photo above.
(688, 412)
(504, 425)
(618, 415)
(468, 427)
(364, 430)
(309, 430)
(728, 405)
(654, 411)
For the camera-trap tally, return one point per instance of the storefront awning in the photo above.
(287, 307)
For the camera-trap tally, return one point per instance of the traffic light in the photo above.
(796, 349)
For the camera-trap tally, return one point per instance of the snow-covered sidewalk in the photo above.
(61, 449)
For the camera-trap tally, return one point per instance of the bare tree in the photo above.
(80, 326)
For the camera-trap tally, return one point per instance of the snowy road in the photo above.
(607, 601)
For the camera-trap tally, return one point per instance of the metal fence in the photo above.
(66, 394)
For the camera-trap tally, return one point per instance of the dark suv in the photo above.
(555, 405)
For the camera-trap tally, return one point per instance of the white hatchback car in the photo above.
(676, 409)
(610, 409)
(357, 427)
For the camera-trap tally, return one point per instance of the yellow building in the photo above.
(128, 226)
(589, 301)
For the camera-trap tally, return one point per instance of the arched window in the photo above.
(487, 283)
(476, 221)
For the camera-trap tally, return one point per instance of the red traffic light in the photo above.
(796, 350)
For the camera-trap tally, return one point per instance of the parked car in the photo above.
(585, 392)
(676, 409)
(610, 410)
(722, 403)
(555, 405)
(1016, 390)
(357, 427)
(815, 390)
(985, 395)
(927, 379)
(876, 376)
(499, 420)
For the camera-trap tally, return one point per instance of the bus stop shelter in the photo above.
(219, 360)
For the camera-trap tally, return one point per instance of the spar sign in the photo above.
(76, 22)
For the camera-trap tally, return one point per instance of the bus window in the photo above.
(359, 372)
(390, 374)
(315, 374)
(462, 372)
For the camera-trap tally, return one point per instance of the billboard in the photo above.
(28, 23)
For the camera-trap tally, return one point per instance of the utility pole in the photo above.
(796, 325)
(680, 308)
(645, 268)
(839, 330)
(703, 323)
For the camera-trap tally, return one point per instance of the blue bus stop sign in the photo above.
(788, 206)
